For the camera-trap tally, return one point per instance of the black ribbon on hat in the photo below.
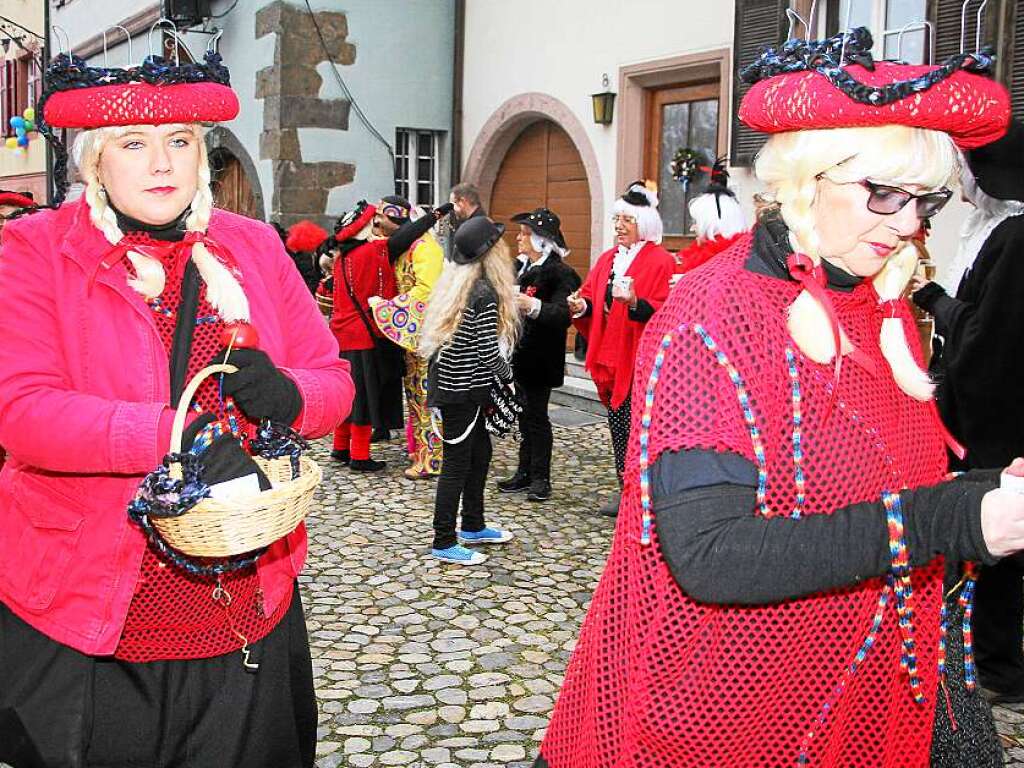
(823, 57)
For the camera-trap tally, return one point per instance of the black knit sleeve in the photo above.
(485, 320)
(719, 551)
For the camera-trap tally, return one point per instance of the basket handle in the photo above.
(178, 426)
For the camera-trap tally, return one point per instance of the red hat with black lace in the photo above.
(835, 83)
(156, 92)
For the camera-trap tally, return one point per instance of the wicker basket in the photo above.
(214, 528)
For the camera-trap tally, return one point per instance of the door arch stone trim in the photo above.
(505, 125)
(220, 137)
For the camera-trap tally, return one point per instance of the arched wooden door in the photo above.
(543, 168)
(231, 188)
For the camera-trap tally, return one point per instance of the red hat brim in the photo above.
(141, 104)
(356, 226)
(16, 200)
(972, 109)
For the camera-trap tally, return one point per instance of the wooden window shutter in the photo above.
(759, 24)
(945, 15)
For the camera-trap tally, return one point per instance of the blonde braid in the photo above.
(149, 280)
(223, 291)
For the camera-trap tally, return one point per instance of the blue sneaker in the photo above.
(458, 555)
(486, 536)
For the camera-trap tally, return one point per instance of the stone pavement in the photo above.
(430, 665)
(420, 663)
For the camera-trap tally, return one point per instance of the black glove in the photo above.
(225, 459)
(260, 390)
(443, 210)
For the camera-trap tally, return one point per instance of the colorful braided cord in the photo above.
(798, 420)
(902, 590)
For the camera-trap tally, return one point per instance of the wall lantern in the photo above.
(604, 104)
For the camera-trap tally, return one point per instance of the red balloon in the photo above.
(240, 335)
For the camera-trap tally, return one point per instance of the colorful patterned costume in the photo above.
(658, 679)
(401, 319)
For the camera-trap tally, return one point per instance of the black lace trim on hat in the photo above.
(69, 72)
(822, 56)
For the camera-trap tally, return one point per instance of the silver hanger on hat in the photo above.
(214, 42)
(913, 26)
(963, 25)
(179, 43)
(58, 30)
(127, 36)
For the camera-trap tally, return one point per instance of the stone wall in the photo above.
(290, 93)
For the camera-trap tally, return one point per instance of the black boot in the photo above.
(380, 436)
(340, 454)
(520, 481)
(540, 490)
(366, 465)
(611, 507)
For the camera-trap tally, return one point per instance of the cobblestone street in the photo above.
(420, 663)
(424, 664)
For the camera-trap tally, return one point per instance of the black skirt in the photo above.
(62, 709)
(378, 381)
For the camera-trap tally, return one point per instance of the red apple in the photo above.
(240, 335)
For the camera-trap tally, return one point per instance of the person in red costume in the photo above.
(625, 287)
(791, 575)
(112, 652)
(718, 220)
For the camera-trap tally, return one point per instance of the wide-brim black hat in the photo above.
(543, 222)
(474, 238)
(998, 167)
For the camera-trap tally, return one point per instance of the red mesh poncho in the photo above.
(660, 680)
(173, 615)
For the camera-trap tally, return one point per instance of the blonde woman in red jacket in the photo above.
(110, 654)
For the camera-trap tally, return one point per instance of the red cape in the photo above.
(698, 253)
(612, 338)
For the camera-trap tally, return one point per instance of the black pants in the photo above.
(618, 425)
(999, 626)
(463, 474)
(537, 440)
(62, 709)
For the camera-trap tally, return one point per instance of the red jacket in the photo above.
(612, 339)
(84, 387)
(697, 253)
(369, 273)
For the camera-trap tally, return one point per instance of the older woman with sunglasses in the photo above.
(624, 288)
(791, 576)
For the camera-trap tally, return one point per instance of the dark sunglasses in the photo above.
(886, 200)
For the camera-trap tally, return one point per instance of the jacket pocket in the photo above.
(51, 527)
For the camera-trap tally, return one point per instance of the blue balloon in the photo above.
(20, 130)
(17, 122)
(23, 141)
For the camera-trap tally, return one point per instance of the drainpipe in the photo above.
(46, 63)
(457, 71)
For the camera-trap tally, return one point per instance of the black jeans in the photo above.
(999, 626)
(535, 425)
(463, 473)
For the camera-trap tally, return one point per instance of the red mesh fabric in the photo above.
(172, 615)
(658, 679)
(141, 104)
(972, 109)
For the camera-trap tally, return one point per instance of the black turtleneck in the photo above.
(772, 250)
(185, 324)
(171, 232)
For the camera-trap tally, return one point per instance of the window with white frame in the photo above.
(416, 165)
(895, 24)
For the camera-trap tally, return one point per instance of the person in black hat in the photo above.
(469, 331)
(979, 365)
(545, 282)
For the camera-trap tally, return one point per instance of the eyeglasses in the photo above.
(620, 217)
(886, 200)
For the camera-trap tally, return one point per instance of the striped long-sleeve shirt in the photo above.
(463, 369)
